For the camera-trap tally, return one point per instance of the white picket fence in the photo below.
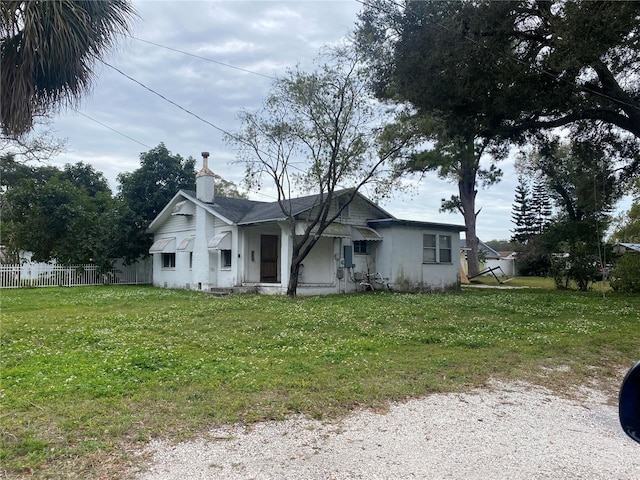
(51, 275)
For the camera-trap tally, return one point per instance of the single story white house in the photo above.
(206, 242)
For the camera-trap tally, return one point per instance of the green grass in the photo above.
(90, 373)
(534, 282)
(531, 282)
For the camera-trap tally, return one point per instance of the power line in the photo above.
(163, 97)
(203, 58)
(230, 135)
(110, 128)
(168, 100)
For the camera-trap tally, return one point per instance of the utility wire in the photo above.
(110, 128)
(168, 100)
(202, 58)
(231, 135)
(178, 51)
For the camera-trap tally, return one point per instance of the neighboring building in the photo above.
(206, 242)
(507, 262)
(491, 259)
(621, 247)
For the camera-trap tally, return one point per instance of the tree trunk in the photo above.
(467, 191)
(473, 260)
(294, 271)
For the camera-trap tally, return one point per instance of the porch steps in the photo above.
(223, 292)
(218, 292)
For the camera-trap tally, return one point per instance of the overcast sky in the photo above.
(265, 37)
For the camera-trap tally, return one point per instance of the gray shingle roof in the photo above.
(390, 222)
(233, 209)
(243, 212)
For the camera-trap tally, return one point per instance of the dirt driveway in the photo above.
(504, 431)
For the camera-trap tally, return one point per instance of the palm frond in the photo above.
(48, 52)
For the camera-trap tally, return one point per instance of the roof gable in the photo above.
(265, 212)
(165, 213)
(239, 211)
(364, 208)
(482, 247)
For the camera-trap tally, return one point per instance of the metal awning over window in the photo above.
(332, 230)
(186, 245)
(164, 245)
(222, 241)
(365, 233)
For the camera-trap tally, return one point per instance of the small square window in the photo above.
(168, 260)
(225, 258)
(360, 247)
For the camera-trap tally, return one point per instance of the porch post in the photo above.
(286, 247)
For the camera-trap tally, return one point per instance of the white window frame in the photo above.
(223, 254)
(171, 256)
(429, 250)
(362, 247)
(445, 248)
(432, 251)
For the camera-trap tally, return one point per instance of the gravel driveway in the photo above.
(505, 431)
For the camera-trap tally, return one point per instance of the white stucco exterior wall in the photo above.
(203, 270)
(400, 255)
(177, 227)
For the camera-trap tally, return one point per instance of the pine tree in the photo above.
(540, 207)
(521, 213)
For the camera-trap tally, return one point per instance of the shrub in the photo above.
(625, 276)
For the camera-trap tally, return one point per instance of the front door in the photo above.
(269, 258)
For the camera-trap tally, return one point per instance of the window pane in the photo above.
(428, 255)
(428, 248)
(360, 247)
(445, 248)
(445, 241)
(226, 258)
(168, 260)
(429, 241)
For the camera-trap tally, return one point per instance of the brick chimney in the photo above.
(205, 181)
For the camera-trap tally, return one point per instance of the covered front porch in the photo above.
(267, 252)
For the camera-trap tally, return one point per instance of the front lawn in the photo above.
(90, 373)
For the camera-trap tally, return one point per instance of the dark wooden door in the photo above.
(269, 258)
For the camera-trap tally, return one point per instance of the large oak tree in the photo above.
(418, 56)
(491, 71)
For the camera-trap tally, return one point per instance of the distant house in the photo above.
(204, 242)
(491, 258)
(626, 247)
